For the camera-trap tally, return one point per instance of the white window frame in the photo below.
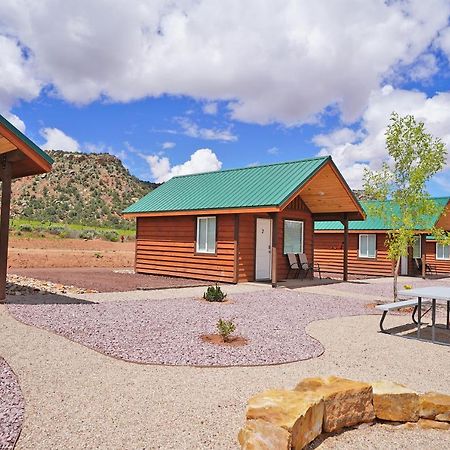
(443, 258)
(302, 246)
(368, 255)
(418, 239)
(209, 249)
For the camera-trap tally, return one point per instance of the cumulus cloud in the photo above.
(55, 139)
(192, 129)
(364, 146)
(281, 61)
(210, 108)
(202, 160)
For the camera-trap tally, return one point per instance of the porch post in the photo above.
(345, 265)
(4, 222)
(274, 248)
(423, 250)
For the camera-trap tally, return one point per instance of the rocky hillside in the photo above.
(87, 189)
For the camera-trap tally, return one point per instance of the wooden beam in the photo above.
(423, 250)
(236, 248)
(4, 222)
(345, 272)
(6, 146)
(274, 217)
(335, 216)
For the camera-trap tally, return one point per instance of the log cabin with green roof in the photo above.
(237, 225)
(367, 252)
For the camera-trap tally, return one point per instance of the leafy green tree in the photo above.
(415, 157)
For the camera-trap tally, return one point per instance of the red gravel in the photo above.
(168, 331)
(11, 407)
(105, 280)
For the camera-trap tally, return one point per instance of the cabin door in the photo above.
(404, 265)
(263, 249)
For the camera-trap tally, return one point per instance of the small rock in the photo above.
(262, 435)
(433, 404)
(433, 424)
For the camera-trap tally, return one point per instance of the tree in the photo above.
(415, 157)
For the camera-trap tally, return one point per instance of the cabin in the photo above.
(238, 225)
(368, 251)
(19, 157)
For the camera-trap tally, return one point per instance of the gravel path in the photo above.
(167, 331)
(11, 407)
(77, 398)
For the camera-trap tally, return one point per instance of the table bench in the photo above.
(386, 307)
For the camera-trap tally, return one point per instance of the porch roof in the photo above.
(264, 188)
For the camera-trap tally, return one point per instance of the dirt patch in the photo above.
(104, 279)
(217, 339)
(57, 252)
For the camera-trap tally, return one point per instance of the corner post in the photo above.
(345, 262)
(423, 251)
(274, 248)
(236, 248)
(6, 177)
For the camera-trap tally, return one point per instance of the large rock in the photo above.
(433, 404)
(395, 402)
(347, 402)
(262, 435)
(299, 413)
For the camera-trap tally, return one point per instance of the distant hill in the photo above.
(87, 189)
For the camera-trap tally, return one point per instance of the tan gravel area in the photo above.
(78, 398)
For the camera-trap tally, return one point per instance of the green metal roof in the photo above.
(260, 186)
(376, 223)
(25, 139)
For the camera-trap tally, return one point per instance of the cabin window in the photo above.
(367, 245)
(293, 236)
(417, 248)
(206, 234)
(442, 251)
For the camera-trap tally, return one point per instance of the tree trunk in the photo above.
(396, 269)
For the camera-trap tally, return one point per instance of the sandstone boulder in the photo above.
(443, 417)
(347, 402)
(262, 435)
(395, 402)
(299, 413)
(433, 424)
(433, 404)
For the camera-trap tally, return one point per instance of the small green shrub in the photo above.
(214, 294)
(112, 236)
(58, 231)
(88, 234)
(225, 328)
(26, 228)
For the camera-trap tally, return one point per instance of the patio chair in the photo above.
(306, 267)
(428, 267)
(293, 263)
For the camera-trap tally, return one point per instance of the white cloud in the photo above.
(282, 61)
(202, 160)
(55, 139)
(168, 145)
(273, 151)
(365, 147)
(210, 108)
(192, 129)
(16, 121)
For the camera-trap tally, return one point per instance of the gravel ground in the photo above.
(167, 331)
(77, 398)
(11, 407)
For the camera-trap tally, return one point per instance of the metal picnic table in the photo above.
(437, 294)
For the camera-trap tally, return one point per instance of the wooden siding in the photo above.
(329, 254)
(166, 246)
(296, 210)
(442, 265)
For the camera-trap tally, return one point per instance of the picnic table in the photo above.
(437, 294)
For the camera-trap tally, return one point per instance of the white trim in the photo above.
(418, 238)
(443, 252)
(302, 234)
(359, 246)
(206, 250)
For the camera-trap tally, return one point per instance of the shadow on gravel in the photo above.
(40, 298)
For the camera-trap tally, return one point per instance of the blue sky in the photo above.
(194, 86)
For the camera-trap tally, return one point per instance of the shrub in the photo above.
(225, 328)
(58, 231)
(112, 236)
(88, 234)
(214, 294)
(26, 228)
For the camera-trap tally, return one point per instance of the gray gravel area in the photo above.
(11, 407)
(167, 331)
